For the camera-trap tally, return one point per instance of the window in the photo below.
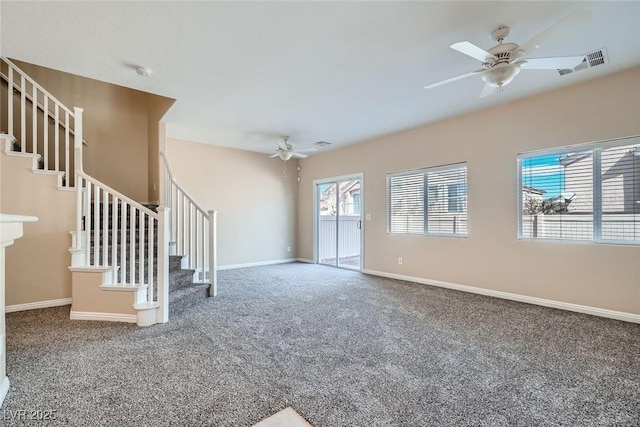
(445, 198)
(588, 194)
(356, 203)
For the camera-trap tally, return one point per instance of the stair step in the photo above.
(182, 299)
(179, 279)
(175, 262)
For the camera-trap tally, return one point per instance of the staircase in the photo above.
(184, 292)
(129, 262)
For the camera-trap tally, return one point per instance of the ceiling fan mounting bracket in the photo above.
(500, 33)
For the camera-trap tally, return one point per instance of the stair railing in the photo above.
(122, 234)
(29, 122)
(112, 231)
(192, 230)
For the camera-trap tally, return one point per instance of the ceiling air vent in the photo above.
(591, 59)
(322, 143)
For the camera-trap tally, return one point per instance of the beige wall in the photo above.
(119, 126)
(491, 257)
(157, 143)
(256, 204)
(37, 264)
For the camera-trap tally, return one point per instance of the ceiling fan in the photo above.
(286, 151)
(503, 62)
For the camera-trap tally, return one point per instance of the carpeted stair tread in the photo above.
(175, 262)
(179, 279)
(184, 298)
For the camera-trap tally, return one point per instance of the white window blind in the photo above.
(589, 194)
(445, 200)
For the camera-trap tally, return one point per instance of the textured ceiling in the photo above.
(335, 71)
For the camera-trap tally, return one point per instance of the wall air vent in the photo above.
(591, 59)
(322, 143)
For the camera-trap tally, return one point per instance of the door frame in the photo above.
(316, 216)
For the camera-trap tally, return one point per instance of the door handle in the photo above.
(359, 224)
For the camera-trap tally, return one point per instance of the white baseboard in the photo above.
(256, 264)
(4, 388)
(308, 261)
(108, 317)
(594, 311)
(38, 304)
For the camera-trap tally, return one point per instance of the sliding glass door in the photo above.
(339, 222)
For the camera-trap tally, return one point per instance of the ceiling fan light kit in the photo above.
(504, 61)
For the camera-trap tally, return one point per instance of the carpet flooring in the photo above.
(340, 347)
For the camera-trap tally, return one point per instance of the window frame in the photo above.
(596, 149)
(426, 201)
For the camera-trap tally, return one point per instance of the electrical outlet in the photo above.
(400, 260)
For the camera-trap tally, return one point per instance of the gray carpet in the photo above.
(342, 348)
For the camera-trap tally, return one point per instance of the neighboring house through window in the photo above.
(591, 193)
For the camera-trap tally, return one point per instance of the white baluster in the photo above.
(56, 133)
(141, 257)
(196, 248)
(96, 225)
(150, 258)
(123, 242)
(78, 213)
(45, 133)
(10, 101)
(213, 262)
(77, 139)
(189, 235)
(114, 233)
(23, 115)
(67, 171)
(132, 245)
(105, 228)
(34, 122)
(87, 222)
(203, 240)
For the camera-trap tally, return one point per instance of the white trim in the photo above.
(308, 261)
(38, 304)
(4, 388)
(256, 264)
(108, 317)
(89, 269)
(594, 311)
(123, 288)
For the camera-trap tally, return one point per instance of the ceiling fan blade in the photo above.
(275, 155)
(453, 79)
(299, 155)
(472, 50)
(558, 63)
(487, 90)
(306, 150)
(560, 27)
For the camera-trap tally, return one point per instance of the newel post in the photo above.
(163, 265)
(77, 162)
(213, 253)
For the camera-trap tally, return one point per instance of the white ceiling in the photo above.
(340, 72)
